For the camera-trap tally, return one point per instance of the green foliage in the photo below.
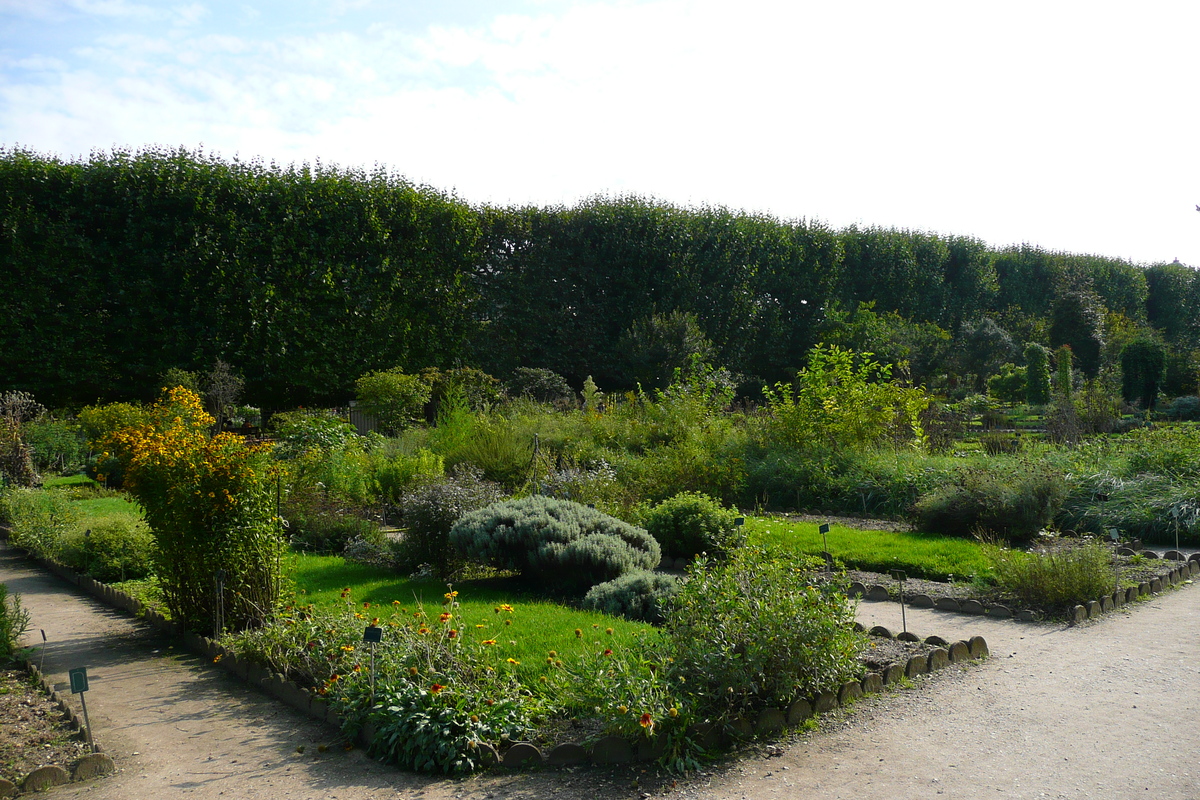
(759, 630)
(639, 595)
(17, 410)
(306, 276)
(980, 350)
(1037, 376)
(914, 348)
(442, 687)
(1064, 371)
(995, 443)
(1172, 452)
(1142, 364)
(39, 520)
(56, 445)
(1057, 575)
(1010, 385)
(1078, 322)
(542, 386)
(318, 524)
(473, 386)
(98, 422)
(111, 550)
(1184, 409)
(658, 345)
(14, 621)
(498, 450)
(397, 400)
(297, 432)
(554, 543)
(210, 502)
(428, 513)
(691, 523)
(1013, 500)
(842, 401)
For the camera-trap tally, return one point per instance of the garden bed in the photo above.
(35, 733)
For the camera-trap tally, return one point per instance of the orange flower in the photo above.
(436, 688)
(445, 617)
(453, 634)
(488, 641)
(647, 722)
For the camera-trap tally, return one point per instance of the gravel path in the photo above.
(1104, 709)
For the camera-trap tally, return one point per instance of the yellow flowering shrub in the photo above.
(210, 503)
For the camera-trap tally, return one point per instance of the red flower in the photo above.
(608, 652)
(647, 721)
(436, 688)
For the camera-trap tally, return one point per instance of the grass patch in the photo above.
(921, 555)
(59, 481)
(535, 626)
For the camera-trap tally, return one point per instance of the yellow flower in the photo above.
(513, 661)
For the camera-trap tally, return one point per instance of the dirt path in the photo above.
(1107, 709)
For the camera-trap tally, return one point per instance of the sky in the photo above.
(1067, 125)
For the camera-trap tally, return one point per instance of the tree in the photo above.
(1078, 322)
(657, 346)
(1037, 374)
(1143, 364)
(397, 400)
(983, 347)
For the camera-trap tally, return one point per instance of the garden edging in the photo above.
(1184, 571)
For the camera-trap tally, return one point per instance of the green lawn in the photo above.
(533, 628)
(921, 555)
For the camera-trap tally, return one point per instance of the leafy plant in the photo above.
(691, 523)
(1055, 574)
(39, 520)
(429, 512)
(759, 630)
(14, 621)
(110, 550)
(1014, 502)
(210, 503)
(397, 400)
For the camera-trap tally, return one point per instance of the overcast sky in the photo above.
(1070, 125)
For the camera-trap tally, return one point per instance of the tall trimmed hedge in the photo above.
(555, 543)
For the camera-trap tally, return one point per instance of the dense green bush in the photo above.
(555, 543)
(57, 445)
(1184, 409)
(397, 400)
(1054, 576)
(38, 519)
(298, 432)
(429, 511)
(759, 630)
(641, 596)
(691, 523)
(542, 386)
(1173, 452)
(110, 551)
(1014, 501)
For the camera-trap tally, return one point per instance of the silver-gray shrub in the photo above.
(641, 596)
(556, 543)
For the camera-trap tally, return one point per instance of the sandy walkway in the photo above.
(1106, 709)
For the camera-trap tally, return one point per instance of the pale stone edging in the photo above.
(1185, 570)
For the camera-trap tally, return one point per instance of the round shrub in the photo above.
(556, 543)
(640, 596)
(691, 523)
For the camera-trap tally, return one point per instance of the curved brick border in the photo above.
(1186, 568)
(607, 750)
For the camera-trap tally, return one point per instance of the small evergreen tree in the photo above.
(1143, 363)
(1037, 374)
